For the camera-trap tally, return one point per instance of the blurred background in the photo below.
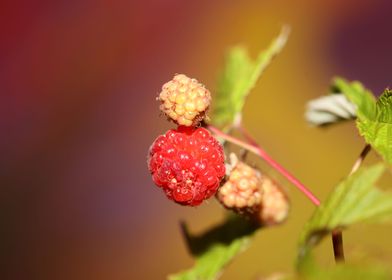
(78, 82)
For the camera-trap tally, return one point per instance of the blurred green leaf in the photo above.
(354, 200)
(344, 102)
(342, 271)
(357, 94)
(215, 248)
(374, 120)
(329, 109)
(239, 77)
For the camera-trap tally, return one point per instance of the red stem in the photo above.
(256, 149)
(337, 237)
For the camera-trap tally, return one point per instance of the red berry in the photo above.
(188, 164)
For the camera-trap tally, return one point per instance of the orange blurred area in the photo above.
(78, 82)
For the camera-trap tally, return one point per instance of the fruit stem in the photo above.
(256, 149)
(337, 235)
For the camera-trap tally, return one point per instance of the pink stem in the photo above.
(256, 149)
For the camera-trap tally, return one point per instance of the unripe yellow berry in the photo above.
(255, 195)
(242, 190)
(275, 205)
(184, 100)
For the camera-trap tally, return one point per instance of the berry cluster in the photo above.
(188, 164)
(184, 100)
(252, 194)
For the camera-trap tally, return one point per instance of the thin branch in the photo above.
(337, 243)
(256, 149)
(337, 235)
(360, 159)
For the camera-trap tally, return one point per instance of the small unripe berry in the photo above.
(184, 100)
(274, 204)
(188, 164)
(254, 195)
(242, 191)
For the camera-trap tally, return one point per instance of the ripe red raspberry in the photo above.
(188, 164)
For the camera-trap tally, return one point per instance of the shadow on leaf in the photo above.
(232, 228)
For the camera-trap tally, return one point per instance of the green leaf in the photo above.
(341, 271)
(329, 109)
(354, 200)
(378, 131)
(216, 248)
(359, 95)
(384, 107)
(374, 120)
(239, 77)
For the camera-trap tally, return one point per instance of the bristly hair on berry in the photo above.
(188, 164)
